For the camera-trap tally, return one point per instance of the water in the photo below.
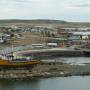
(62, 83)
(77, 60)
(56, 83)
(70, 60)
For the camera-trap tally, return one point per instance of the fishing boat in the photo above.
(10, 61)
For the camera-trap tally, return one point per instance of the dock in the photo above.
(54, 52)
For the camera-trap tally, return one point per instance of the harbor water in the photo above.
(69, 60)
(53, 83)
(58, 83)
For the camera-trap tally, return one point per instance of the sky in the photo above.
(68, 10)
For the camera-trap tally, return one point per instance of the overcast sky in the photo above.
(70, 10)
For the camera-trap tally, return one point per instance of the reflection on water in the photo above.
(19, 85)
(63, 83)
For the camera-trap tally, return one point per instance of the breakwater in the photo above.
(43, 53)
(46, 70)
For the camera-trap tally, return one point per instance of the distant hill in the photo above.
(39, 21)
(44, 22)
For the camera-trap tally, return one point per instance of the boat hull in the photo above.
(7, 63)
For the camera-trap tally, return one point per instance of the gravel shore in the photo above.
(47, 70)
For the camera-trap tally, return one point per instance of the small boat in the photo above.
(10, 61)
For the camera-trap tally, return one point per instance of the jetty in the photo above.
(54, 52)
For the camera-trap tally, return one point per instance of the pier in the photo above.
(54, 52)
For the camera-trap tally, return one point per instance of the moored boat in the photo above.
(10, 61)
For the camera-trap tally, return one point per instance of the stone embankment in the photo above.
(46, 70)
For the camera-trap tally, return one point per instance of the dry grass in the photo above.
(28, 38)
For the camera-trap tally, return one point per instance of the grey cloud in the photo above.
(24, 1)
(81, 5)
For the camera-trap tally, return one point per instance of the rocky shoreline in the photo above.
(47, 70)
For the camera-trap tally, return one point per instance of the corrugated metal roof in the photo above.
(74, 37)
(81, 33)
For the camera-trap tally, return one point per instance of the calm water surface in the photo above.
(62, 83)
(70, 60)
(58, 83)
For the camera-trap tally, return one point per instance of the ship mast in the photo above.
(12, 49)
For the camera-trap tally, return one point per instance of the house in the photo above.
(52, 44)
(74, 37)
